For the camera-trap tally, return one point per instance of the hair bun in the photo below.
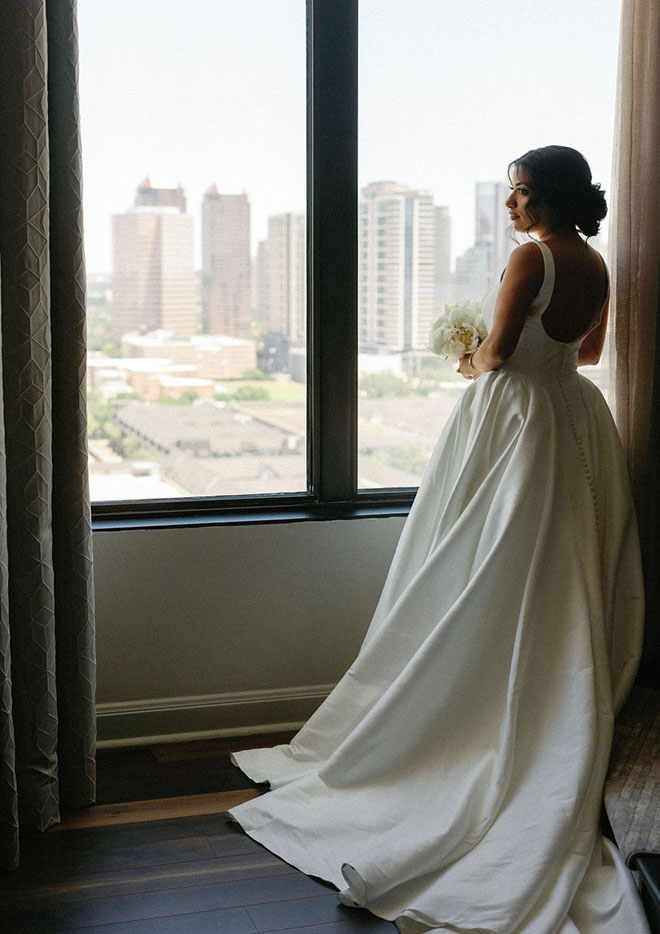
(590, 210)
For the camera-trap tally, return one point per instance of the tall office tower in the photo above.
(148, 197)
(442, 288)
(491, 223)
(226, 272)
(396, 242)
(287, 276)
(472, 275)
(481, 266)
(260, 285)
(153, 274)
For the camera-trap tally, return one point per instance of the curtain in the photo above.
(47, 722)
(635, 236)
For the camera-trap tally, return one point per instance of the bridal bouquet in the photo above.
(459, 329)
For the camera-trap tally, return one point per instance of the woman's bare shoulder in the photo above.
(597, 258)
(525, 263)
(526, 256)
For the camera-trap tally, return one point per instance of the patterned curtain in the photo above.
(635, 237)
(47, 723)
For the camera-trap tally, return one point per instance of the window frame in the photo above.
(332, 316)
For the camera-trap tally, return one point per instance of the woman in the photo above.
(453, 779)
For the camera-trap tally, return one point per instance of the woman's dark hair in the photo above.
(560, 177)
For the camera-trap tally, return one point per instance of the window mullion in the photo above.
(332, 248)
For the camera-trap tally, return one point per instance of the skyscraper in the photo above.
(442, 256)
(491, 222)
(153, 276)
(481, 266)
(260, 284)
(148, 197)
(396, 241)
(226, 273)
(472, 275)
(286, 273)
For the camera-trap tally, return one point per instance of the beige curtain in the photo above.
(635, 234)
(47, 717)
(635, 248)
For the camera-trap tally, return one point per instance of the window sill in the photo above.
(163, 514)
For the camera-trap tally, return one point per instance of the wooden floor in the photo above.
(159, 856)
(167, 865)
(167, 770)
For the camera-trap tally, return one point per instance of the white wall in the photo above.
(205, 631)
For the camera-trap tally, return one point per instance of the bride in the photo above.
(452, 781)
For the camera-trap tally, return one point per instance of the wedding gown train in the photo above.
(453, 778)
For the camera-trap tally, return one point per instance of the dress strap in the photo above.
(544, 294)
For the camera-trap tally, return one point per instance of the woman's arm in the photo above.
(591, 347)
(522, 280)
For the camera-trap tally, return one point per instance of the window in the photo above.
(195, 225)
(446, 100)
(411, 223)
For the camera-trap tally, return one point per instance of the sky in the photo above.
(450, 91)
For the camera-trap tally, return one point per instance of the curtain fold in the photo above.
(635, 237)
(635, 232)
(72, 540)
(47, 625)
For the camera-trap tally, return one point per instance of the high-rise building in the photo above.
(480, 267)
(472, 276)
(226, 272)
(287, 273)
(148, 197)
(491, 223)
(396, 242)
(260, 285)
(153, 275)
(442, 256)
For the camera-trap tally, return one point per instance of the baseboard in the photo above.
(205, 716)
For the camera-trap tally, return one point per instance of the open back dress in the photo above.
(453, 778)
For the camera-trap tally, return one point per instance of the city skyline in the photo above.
(404, 267)
(177, 409)
(197, 99)
(405, 272)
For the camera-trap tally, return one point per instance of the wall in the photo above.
(206, 631)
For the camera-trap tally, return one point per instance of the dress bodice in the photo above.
(537, 353)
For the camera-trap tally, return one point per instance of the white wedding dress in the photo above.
(453, 778)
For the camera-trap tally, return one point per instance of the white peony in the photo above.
(459, 330)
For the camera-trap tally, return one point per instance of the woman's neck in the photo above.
(549, 231)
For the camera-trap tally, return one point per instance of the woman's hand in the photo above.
(465, 366)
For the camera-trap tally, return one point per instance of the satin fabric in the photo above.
(453, 778)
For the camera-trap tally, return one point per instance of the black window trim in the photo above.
(332, 264)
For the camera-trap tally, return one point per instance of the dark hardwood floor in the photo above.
(157, 855)
(167, 861)
(138, 773)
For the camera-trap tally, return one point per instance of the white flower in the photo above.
(459, 330)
